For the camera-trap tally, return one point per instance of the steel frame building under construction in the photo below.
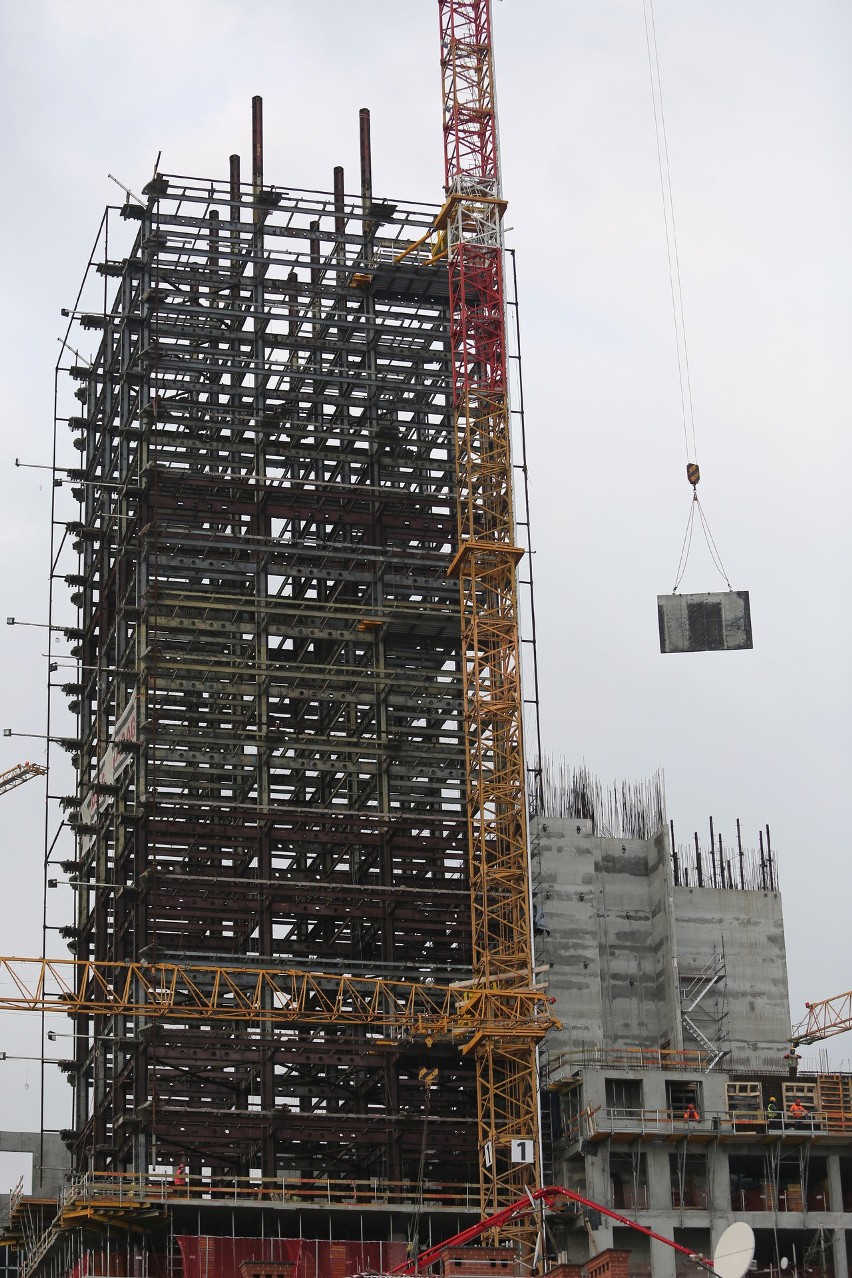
(305, 1004)
(301, 817)
(271, 757)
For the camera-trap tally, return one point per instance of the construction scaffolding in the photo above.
(270, 749)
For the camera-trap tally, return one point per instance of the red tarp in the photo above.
(213, 1257)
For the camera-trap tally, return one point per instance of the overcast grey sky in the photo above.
(757, 96)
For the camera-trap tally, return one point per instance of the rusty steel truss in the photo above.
(270, 749)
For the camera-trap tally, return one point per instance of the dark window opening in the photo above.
(623, 1095)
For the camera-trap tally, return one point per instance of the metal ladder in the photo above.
(692, 995)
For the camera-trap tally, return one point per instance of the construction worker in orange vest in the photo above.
(797, 1109)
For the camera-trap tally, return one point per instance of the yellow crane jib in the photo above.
(20, 773)
(824, 1019)
(182, 992)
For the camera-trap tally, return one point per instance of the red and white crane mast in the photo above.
(485, 562)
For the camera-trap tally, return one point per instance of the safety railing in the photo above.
(126, 1189)
(16, 1196)
(659, 1122)
(663, 1122)
(693, 1198)
(32, 1255)
(374, 1192)
(816, 1121)
(759, 1199)
(628, 1197)
(631, 1058)
(789, 1197)
(8, 1212)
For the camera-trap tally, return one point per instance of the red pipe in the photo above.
(549, 1195)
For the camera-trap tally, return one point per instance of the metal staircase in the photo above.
(692, 995)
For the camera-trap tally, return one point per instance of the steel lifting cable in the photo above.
(694, 505)
(693, 473)
(711, 544)
(687, 543)
(670, 226)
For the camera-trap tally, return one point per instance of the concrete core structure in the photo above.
(673, 994)
(625, 944)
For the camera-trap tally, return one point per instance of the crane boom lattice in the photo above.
(20, 773)
(825, 1019)
(277, 996)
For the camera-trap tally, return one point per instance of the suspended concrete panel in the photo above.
(704, 623)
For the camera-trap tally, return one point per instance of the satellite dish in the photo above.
(784, 1262)
(734, 1251)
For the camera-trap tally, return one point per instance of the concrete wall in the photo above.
(605, 925)
(566, 902)
(750, 927)
(620, 938)
(51, 1160)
